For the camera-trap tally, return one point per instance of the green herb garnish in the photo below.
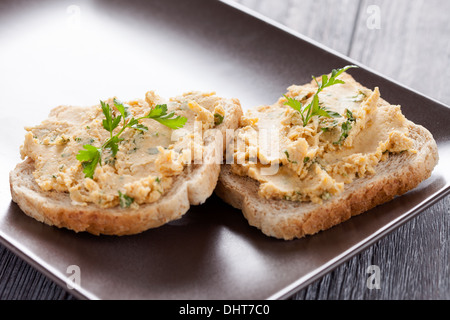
(346, 127)
(331, 126)
(349, 115)
(326, 196)
(90, 156)
(125, 201)
(218, 119)
(314, 108)
(287, 156)
(359, 97)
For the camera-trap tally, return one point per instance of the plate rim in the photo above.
(362, 245)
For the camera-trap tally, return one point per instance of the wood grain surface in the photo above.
(411, 46)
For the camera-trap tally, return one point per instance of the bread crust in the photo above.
(192, 187)
(290, 220)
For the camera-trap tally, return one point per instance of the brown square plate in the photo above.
(56, 54)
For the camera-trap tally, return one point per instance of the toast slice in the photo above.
(192, 187)
(288, 220)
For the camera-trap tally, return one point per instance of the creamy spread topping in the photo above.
(317, 160)
(146, 163)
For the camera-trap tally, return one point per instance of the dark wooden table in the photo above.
(406, 40)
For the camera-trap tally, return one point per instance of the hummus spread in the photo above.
(146, 163)
(314, 162)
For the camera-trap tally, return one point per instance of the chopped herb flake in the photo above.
(218, 119)
(287, 156)
(125, 201)
(346, 127)
(326, 196)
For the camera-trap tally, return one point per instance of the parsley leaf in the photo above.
(159, 113)
(333, 114)
(294, 104)
(113, 145)
(314, 108)
(110, 122)
(121, 108)
(328, 82)
(140, 127)
(89, 156)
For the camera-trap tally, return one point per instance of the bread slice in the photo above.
(192, 187)
(289, 220)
